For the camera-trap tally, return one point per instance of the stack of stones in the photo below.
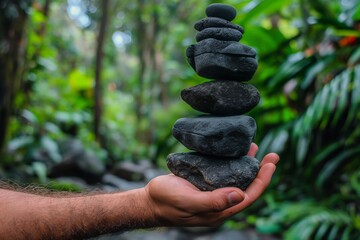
(221, 138)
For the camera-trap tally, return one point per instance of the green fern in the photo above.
(322, 224)
(307, 220)
(332, 100)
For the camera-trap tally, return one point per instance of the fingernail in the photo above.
(235, 198)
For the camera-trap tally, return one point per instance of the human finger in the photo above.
(256, 188)
(214, 201)
(270, 158)
(253, 150)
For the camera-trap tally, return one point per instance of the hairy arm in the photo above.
(28, 216)
(166, 201)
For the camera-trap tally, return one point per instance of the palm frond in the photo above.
(333, 97)
(307, 220)
(320, 224)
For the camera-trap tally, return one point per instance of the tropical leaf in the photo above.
(332, 99)
(355, 182)
(333, 164)
(320, 233)
(355, 57)
(315, 70)
(263, 7)
(323, 224)
(355, 97)
(292, 67)
(324, 154)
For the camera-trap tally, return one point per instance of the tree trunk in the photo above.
(98, 67)
(13, 18)
(141, 41)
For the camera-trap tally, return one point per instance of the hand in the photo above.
(176, 202)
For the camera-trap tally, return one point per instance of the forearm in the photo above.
(38, 217)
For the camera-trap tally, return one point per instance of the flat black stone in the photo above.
(222, 66)
(209, 173)
(211, 45)
(222, 97)
(216, 22)
(190, 51)
(215, 59)
(218, 136)
(225, 34)
(219, 10)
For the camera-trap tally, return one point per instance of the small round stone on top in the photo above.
(219, 10)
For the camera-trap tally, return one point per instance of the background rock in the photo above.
(78, 162)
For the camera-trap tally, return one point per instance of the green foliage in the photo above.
(307, 220)
(311, 103)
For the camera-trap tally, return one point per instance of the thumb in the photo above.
(218, 200)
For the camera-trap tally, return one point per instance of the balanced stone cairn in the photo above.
(222, 138)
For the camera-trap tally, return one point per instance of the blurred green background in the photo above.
(108, 75)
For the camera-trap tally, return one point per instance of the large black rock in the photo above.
(219, 136)
(215, 59)
(208, 173)
(222, 97)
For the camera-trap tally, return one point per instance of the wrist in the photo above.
(150, 207)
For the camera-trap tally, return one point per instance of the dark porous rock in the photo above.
(230, 67)
(217, 59)
(219, 10)
(190, 53)
(222, 97)
(225, 34)
(219, 136)
(208, 172)
(226, 47)
(211, 22)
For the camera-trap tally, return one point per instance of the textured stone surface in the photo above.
(190, 53)
(225, 34)
(219, 10)
(222, 66)
(209, 173)
(219, 136)
(222, 97)
(226, 47)
(215, 59)
(216, 22)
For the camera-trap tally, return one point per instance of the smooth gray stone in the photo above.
(220, 10)
(215, 59)
(224, 34)
(222, 97)
(218, 136)
(216, 22)
(208, 173)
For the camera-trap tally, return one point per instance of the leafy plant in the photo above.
(307, 220)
